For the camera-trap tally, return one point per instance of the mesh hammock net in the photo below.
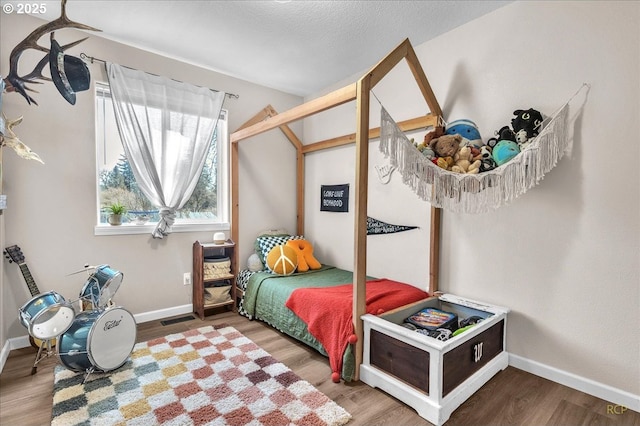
(482, 192)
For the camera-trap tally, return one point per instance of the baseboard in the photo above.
(163, 313)
(11, 344)
(23, 341)
(582, 384)
(4, 354)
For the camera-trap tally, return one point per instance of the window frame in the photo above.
(180, 225)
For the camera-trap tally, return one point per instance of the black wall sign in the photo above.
(334, 198)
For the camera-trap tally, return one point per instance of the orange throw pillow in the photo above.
(282, 260)
(304, 249)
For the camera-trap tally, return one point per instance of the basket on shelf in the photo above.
(216, 268)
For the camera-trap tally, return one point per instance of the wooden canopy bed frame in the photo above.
(269, 119)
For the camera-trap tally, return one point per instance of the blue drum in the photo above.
(47, 315)
(101, 286)
(98, 340)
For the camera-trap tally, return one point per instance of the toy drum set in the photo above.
(98, 337)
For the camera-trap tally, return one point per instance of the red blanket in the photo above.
(327, 311)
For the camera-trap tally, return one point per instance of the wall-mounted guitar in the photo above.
(46, 315)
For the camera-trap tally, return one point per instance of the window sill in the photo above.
(132, 229)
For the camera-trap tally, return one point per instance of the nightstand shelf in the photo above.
(202, 251)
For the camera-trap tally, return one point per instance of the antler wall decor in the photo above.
(11, 140)
(58, 62)
(15, 82)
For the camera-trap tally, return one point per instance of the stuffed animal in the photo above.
(424, 147)
(468, 130)
(463, 162)
(526, 125)
(504, 151)
(486, 160)
(446, 145)
(528, 120)
(426, 151)
(505, 133)
(444, 162)
(435, 133)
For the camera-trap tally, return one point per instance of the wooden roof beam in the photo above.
(330, 100)
(423, 122)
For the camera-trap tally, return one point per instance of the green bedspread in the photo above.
(267, 293)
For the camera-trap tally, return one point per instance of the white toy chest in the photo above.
(434, 377)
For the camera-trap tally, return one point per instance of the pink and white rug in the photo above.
(208, 376)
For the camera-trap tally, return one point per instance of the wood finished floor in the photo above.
(512, 397)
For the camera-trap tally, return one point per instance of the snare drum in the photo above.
(98, 339)
(101, 286)
(47, 315)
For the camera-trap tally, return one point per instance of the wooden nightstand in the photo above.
(201, 251)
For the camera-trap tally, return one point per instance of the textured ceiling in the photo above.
(298, 47)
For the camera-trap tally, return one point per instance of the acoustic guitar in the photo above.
(14, 254)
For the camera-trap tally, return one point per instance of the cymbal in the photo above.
(86, 268)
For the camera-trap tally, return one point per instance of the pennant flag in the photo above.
(375, 227)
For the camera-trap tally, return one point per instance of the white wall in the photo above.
(51, 213)
(564, 256)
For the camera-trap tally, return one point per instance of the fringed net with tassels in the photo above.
(482, 192)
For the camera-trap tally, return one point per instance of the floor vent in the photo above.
(177, 320)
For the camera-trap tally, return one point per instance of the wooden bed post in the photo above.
(434, 250)
(360, 236)
(235, 208)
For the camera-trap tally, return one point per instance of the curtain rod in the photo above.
(92, 60)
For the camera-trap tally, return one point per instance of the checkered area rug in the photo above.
(208, 376)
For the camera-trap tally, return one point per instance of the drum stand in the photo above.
(44, 351)
(87, 373)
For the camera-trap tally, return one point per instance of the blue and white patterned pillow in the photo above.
(265, 243)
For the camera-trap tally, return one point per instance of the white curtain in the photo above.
(166, 128)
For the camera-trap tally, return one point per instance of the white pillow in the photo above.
(254, 264)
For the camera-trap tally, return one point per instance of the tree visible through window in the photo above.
(116, 182)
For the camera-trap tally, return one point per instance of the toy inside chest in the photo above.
(435, 353)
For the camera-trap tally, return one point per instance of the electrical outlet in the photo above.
(186, 278)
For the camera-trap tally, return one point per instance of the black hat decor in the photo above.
(69, 74)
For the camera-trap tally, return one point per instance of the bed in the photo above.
(385, 353)
(272, 298)
(269, 119)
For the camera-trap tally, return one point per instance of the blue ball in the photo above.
(504, 151)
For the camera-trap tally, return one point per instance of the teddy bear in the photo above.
(424, 147)
(464, 163)
(446, 145)
(444, 148)
(435, 133)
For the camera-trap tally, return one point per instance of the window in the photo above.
(208, 207)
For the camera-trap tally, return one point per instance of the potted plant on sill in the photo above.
(116, 210)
